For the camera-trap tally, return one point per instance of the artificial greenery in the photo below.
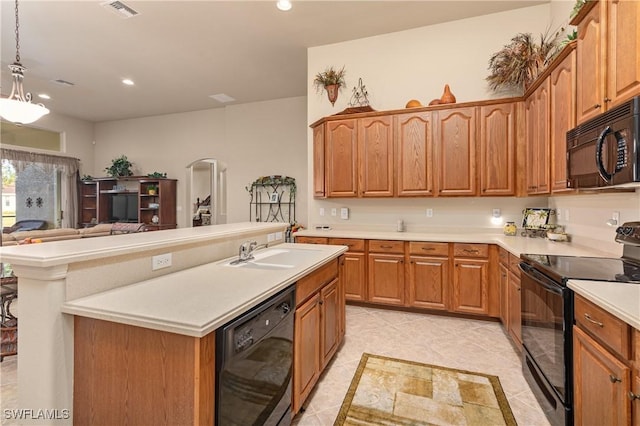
(577, 7)
(157, 175)
(329, 77)
(274, 181)
(518, 63)
(86, 177)
(120, 166)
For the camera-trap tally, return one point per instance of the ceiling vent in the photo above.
(62, 82)
(119, 8)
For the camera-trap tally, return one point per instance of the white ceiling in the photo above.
(181, 52)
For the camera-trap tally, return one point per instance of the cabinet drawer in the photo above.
(503, 256)
(610, 330)
(429, 249)
(353, 244)
(383, 246)
(312, 240)
(306, 286)
(514, 261)
(470, 250)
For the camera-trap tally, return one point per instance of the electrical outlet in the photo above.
(278, 235)
(344, 213)
(616, 216)
(161, 261)
(429, 212)
(321, 211)
(334, 212)
(271, 238)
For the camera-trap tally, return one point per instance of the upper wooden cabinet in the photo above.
(537, 140)
(563, 118)
(341, 158)
(456, 152)
(375, 156)
(414, 154)
(497, 149)
(608, 55)
(318, 162)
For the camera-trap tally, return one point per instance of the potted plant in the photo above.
(120, 166)
(152, 189)
(331, 81)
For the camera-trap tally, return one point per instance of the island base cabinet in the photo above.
(601, 384)
(306, 360)
(126, 375)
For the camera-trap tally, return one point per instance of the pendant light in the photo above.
(18, 108)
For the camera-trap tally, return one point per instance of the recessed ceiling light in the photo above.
(128, 82)
(221, 97)
(43, 96)
(284, 5)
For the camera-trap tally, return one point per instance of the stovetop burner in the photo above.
(563, 268)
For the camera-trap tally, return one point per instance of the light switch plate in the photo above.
(334, 212)
(344, 213)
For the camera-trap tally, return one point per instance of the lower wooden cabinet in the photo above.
(429, 282)
(354, 268)
(471, 278)
(386, 279)
(514, 321)
(503, 290)
(601, 384)
(319, 327)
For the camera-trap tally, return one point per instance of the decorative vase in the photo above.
(510, 229)
(332, 92)
(155, 219)
(152, 192)
(447, 96)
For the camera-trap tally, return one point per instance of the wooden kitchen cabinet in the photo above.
(386, 272)
(635, 385)
(354, 268)
(562, 96)
(375, 156)
(514, 314)
(429, 275)
(471, 279)
(537, 140)
(414, 154)
(312, 240)
(503, 271)
(341, 158)
(607, 55)
(455, 151)
(497, 149)
(318, 162)
(318, 325)
(132, 375)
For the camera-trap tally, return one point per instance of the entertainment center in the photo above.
(136, 199)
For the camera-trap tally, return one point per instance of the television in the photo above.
(124, 208)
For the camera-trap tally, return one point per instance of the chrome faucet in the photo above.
(245, 253)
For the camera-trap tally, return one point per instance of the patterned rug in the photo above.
(387, 391)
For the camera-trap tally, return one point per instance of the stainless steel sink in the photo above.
(275, 258)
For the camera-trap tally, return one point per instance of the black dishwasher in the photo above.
(254, 360)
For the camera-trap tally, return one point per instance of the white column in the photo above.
(45, 347)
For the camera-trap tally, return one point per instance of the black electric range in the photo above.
(547, 316)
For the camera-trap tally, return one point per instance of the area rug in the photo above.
(387, 391)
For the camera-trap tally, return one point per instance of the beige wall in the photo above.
(416, 64)
(255, 139)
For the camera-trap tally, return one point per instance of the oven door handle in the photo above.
(541, 279)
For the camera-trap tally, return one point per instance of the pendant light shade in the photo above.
(18, 108)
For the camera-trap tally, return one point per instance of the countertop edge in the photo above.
(604, 299)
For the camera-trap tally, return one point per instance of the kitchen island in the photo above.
(53, 273)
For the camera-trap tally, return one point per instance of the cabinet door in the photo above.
(414, 154)
(386, 279)
(88, 201)
(623, 51)
(531, 135)
(504, 295)
(542, 143)
(470, 286)
(318, 162)
(341, 158)
(635, 402)
(354, 276)
(563, 118)
(590, 66)
(312, 240)
(456, 152)
(497, 149)
(306, 357)
(329, 321)
(429, 282)
(375, 156)
(514, 310)
(601, 384)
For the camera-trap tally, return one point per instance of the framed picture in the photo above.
(535, 218)
(273, 197)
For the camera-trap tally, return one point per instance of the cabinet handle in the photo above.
(596, 106)
(607, 99)
(321, 302)
(591, 320)
(633, 396)
(386, 247)
(614, 379)
(471, 251)
(428, 248)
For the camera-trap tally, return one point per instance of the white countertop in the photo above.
(197, 301)
(515, 245)
(620, 299)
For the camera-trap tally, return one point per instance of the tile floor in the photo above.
(451, 342)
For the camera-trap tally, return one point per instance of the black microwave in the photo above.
(604, 151)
